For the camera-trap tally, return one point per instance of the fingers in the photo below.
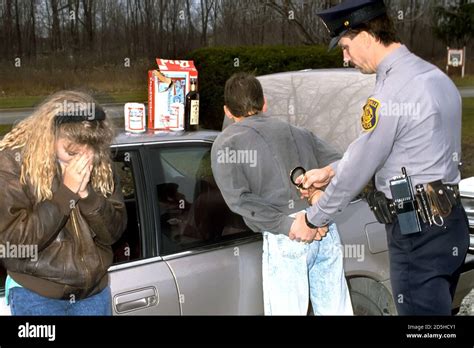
(322, 231)
(83, 163)
(318, 236)
(89, 171)
(308, 193)
(315, 181)
(86, 171)
(300, 232)
(73, 165)
(78, 172)
(310, 178)
(316, 177)
(81, 185)
(299, 179)
(77, 162)
(304, 193)
(86, 178)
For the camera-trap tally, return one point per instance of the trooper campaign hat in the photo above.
(349, 15)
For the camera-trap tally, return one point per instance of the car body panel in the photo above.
(144, 287)
(466, 280)
(222, 281)
(359, 260)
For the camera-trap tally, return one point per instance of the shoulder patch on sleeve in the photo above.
(370, 114)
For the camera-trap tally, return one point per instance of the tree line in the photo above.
(107, 29)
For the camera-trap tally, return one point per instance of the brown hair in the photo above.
(243, 95)
(381, 28)
(36, 136)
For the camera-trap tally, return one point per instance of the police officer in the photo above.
(412, 120)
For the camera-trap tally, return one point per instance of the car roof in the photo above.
(151, 136)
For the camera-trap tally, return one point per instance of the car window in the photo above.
(191, 209)
(128, 247)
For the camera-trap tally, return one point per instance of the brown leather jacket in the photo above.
(73, 240)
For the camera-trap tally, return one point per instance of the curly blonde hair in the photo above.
(36, 138)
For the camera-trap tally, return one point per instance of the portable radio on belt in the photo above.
(404, 203)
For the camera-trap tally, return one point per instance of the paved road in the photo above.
(115, 111)
(467, 92)
(467, 305)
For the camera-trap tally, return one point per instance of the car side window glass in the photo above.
(128, 247)
(190, 206)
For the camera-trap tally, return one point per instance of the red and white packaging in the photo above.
(167, 90)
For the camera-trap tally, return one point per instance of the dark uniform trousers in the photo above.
(425, 266)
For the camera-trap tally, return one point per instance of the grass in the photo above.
(139, 96)
(5, 128)
(19, 102)
(27, 85)
(467, 81)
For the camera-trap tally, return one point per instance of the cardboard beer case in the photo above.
(167, 90)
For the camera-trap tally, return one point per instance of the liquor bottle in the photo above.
(191, 110)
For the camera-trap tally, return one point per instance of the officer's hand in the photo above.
(300, 232)
(306, 193)
(317, 178)
(315, 196)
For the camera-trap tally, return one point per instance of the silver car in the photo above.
(185, 253)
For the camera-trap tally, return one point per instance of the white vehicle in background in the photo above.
(466, 188)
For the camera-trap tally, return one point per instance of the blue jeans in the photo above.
(293, 273)
(26, 302)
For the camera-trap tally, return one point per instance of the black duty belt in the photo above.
(432, 204)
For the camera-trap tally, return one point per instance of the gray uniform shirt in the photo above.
(412, 120)
(251, 162)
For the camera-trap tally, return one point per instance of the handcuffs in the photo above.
(294, 174)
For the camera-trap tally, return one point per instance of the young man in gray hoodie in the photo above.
(251, 162)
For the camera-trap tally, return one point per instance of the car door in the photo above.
(141, 282)
(215, 258)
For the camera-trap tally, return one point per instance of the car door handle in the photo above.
(137, 299)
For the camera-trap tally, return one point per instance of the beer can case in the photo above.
(167, 90)
(135, 117)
